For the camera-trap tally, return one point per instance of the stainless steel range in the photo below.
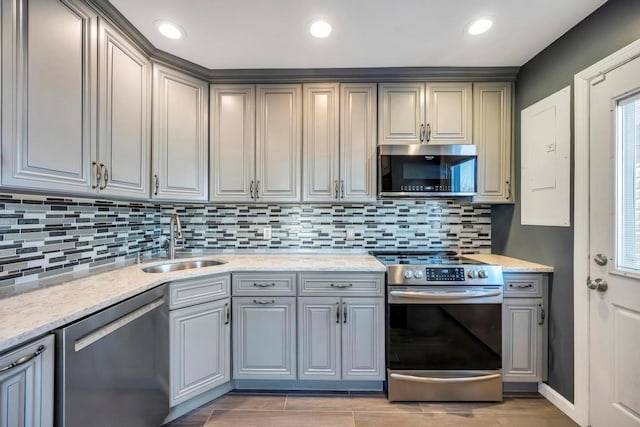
(444, 327)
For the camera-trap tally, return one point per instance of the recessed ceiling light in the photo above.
(479, 26)
(320, 29)
(169, 30)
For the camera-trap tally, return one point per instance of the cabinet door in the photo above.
(401, 113)
(321, 142)
(358, 142)
(522, 339)
(26, 390)
(449, 113)
(264, 338)
(233, 143)
(278, 143)
(363, 338)
(493, 136)
(124, 133)
(48, 102)
(200, 349)
(319, 338)
(180, 133)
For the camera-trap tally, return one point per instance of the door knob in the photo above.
(600, 259)
(598, 284)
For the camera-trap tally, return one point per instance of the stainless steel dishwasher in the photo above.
(113, 366)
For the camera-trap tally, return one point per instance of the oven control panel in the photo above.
(449, 274)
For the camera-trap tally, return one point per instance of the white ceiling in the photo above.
(227, 34)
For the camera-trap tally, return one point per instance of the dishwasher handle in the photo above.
(113, 326)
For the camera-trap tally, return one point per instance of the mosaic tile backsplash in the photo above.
(42, 236)
(432, 224)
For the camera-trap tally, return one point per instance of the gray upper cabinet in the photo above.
(48, 97)
(124, 133)
(419, 113)
(264, 338)
(358, 142)
(493, 136)
(339, 141)
(256, 143)
(449, 113)
(26, 389)
(232, 139)
(321, 142)
(401, 113)
(278, 143)
(180, 136)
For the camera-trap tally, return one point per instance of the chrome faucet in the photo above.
(175, 222)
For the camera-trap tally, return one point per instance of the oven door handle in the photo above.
(444, 380)
(445, 295)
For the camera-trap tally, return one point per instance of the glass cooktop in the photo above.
(422, 258)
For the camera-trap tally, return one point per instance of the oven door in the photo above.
(444, 343)
(417, 170)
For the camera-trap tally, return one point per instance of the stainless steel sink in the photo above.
(182, 265)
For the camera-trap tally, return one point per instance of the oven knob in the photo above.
(408, 274)
(472, 274)
(482, 274)
(418, 274)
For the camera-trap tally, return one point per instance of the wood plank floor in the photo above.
(240, 410)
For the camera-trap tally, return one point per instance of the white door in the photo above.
(449, 113)
(614, 260)
(401, 113)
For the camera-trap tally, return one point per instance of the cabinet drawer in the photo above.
(196, 291)
(277, 284)
(523, 285)
(338, 284)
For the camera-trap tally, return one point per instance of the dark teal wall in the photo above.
(611, 27)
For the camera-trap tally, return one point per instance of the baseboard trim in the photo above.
(559, 401)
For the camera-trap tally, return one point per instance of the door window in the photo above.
(628, 184)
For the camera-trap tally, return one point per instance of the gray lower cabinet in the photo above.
(524, 328)
(26, 388)
(200, 335)
(200, 347)
(264, 338)
(340, 338)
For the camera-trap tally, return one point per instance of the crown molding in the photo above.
(301, 75)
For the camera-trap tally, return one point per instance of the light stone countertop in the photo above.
(511, 265)
(29, 315)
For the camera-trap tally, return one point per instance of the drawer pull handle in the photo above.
(341, 285)
(527, 286)
(228, 314)
(264, 285)
(24, 359)
(263, 302)
(337, 312)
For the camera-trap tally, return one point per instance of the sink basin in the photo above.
(182, 265)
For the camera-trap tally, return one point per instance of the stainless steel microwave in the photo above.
(427, 170)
